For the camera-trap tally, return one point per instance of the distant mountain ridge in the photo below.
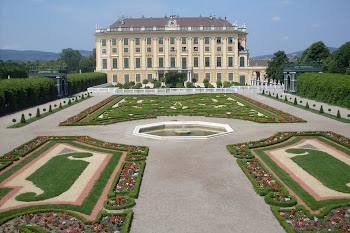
(290, 55)
(33, 55)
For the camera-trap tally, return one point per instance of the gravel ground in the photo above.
(188, 185)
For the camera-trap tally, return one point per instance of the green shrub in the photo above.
(295, 101)
(14, 120)
(80, 82)
(60, 105)
(338, 114)
(307, 105)
(263, 92)
(50, 108)
(321, 109)
(285, 98)
(324, 87)
(269, 93)
(38, 112)
(23, 120)
(69, 102)
(276, 95)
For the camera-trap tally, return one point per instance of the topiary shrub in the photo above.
(69, 102)
(38, 112)
(321, 109)
(263, 92)
(276, 96)
(269, 93)
(285, 98)
(295, 101)
(30, 115)
(338, 114)
(307, 105)
(14, 120)
(23, 120)
(60, 105)
(50, 108)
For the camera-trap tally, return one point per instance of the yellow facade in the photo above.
(134, 54)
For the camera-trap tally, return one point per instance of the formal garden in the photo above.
(126, 108)
(304, 176)
(70, 184)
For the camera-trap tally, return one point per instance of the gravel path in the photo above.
(188, 185)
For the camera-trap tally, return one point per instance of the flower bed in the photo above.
(119, 202)
(300, 220)
(144, 107)
(65, 222)
(280, 199)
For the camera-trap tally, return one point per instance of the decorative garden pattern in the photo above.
(125, 108)
(85, 170)
(308, 168)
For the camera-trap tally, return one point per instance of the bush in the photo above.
(189, 85)
(69, 102)
(295, 101)
(50, 108)
(60, 105)
(80, 82)
(23, 120)
(324, 87)
(263, 92)
(307, 105)
(38, 112)
(321, 109)
(17, 94)
(276, 95)
(285, 98)
(338, 114)
(269, 93)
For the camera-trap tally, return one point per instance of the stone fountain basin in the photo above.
(182, 130)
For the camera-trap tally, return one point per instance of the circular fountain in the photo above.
(182, 130)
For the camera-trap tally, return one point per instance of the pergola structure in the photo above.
(291, 71)
(58, 75)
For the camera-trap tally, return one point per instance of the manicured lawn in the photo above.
(125, 108)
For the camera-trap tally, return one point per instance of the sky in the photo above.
(272, 25)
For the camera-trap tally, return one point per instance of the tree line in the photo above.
(70, 58)
(336, 62)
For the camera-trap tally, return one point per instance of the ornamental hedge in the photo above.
(80, 82)
(16, 94)
(328, 88)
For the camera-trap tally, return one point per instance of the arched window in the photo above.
(241, 61)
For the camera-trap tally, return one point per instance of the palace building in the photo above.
(134, 49)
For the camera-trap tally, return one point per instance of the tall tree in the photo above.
(72, 58)
(174, 78)
(316, 52)
(276, 66)
(339, 62)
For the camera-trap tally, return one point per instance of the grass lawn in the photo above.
(125, 108)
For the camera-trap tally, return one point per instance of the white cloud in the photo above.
(276, 18)
(285, 37)
(11, 46)
(316, 25)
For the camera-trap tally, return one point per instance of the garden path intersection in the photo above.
(188, 185)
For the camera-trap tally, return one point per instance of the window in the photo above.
(161, 62)
(104, 63)
(195, 61)
(115, 63)
(160, 40)
(138, 78)
(104, 42)
(172, 49)
(149, 40)
(137, 49)
(161, 49)
(230, 48)
(104, 50)
(206, 40)
(242, 79)
(241, 61)
(195, 40)
(149, 77)
(184, 49)
(230, 61)
(126, 50)
(149, 49)
(207, 61)
(172, 62)
(172, 40)
(126, 62)
(126, 78)
(114, 50)
(230, 76)
(218, 49)
(207, 49)
(207, 76)
(218, 76)
(230, 41)
(126, 41)
(115, 78)
(114, 41)
(184, 62)
(195, 48)
(183, 40)
(218, 61)
(218, 40)
(149, 62)
(195, 76)
(138, 62)
(137, 41)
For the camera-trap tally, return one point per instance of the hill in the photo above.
(33, 55)
(290, 55)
